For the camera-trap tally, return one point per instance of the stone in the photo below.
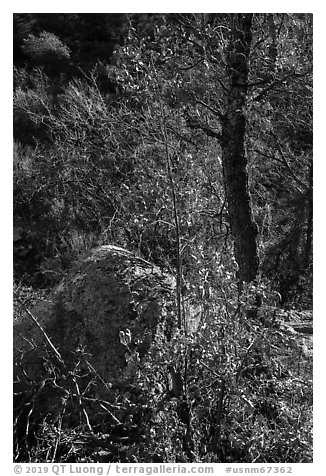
(107, 292)
(99, 323)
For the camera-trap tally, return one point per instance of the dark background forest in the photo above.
(185, 138)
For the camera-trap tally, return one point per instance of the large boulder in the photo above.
(104, 294)
(101, 320)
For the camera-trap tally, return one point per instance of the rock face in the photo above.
(107, 292)
(70, 349)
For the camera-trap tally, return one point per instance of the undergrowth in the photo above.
(232, 390)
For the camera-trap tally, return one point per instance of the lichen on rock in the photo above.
(106, 292)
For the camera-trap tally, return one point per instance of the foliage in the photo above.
(45, 47)
(118, 124)
(166, 408)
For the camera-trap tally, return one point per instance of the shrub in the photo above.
(46, 47)
(232, 390)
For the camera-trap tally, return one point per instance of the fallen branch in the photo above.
(56, 352)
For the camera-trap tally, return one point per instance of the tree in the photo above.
(192, 148)
(220, 46)
(243, 228)
(230, 86)
(257, 75)
(279, 145)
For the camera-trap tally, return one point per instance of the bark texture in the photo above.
(243, 228)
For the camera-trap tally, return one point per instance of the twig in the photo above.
(57, 441)
(176, 221)
(219, 114)
(211, 370)
(57, 353)
(268, 88)
(285, 162)
(81, 404)
(219, 411)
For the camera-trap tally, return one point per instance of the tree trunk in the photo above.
(243, 228)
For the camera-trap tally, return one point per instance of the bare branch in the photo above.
(57, 354)
(192, 65)
(194, 123)
(280, 81)
(210, 108)
(282, 161)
